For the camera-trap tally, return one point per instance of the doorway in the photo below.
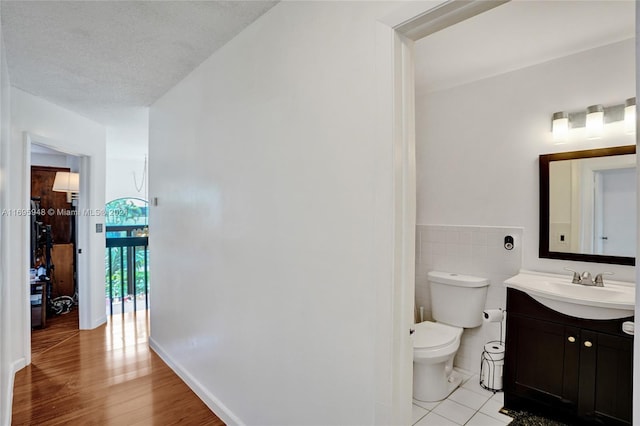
(615, 209)
(53, 240)
(399, 31)
(459, 128)
(82, 219)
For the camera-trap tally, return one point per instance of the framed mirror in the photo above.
(588, 205)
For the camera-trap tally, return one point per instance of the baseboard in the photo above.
(7, 402)
(92, 324)
(99, 322)
(210, 400)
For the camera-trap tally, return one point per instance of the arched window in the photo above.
(126, 217)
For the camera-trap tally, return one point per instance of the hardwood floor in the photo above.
(59, 328)
(106, 376)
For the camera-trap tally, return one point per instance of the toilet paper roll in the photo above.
(493, 315)
(494, 351)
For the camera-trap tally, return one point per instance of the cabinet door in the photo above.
(546, 361)
(606, 375)
(62, 259)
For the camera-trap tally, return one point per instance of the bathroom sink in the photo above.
(614, 300)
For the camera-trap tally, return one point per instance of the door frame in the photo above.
(599, 192)
(82, 233)
(408, 24)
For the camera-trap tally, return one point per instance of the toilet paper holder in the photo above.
(495, 315)
(492, 359)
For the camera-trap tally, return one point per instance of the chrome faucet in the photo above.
(598, 281)
(585, 278)
(577, 279)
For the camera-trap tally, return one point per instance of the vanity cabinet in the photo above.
(578, 369)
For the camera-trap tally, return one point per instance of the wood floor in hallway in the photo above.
(106, 376)
(58, 329)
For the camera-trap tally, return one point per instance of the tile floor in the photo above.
(469, 405)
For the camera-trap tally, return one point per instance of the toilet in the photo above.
(457, 302)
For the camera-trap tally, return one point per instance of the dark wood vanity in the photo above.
(577, 370)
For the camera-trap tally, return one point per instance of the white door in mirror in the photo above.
(628, 327)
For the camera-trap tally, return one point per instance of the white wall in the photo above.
(69, 132)
(478, 144)
(636, 342)
(266, 163)
(127, 149)
(6, 360)
(120, 178)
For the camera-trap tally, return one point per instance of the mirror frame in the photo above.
(544, 205)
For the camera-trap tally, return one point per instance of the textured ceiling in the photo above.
(518, 34)
(96, 57)
(103, 59)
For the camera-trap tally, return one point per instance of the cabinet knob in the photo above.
(571, 339)
(588, 344)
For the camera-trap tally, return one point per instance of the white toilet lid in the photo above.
(434, 335)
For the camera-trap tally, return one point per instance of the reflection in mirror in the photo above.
(592, 205)
(588, 205)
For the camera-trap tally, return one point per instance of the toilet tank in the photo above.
(457, 299)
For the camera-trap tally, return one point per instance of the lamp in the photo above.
(560, 127)
(630, 116)
(595, 121)
(67, 182)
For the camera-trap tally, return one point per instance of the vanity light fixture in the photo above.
(560, 127)
(630, 116)
(595, 121)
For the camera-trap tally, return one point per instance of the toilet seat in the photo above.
(432, 335)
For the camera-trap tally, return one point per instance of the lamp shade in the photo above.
(560, 127)
(595, 121)
(66, 182)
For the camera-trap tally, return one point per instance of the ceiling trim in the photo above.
(445, 15)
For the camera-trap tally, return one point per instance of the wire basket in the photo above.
(492, 366)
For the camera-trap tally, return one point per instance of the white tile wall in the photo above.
(471, 250)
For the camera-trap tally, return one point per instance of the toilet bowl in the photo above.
(434, 346)
(457, 302)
